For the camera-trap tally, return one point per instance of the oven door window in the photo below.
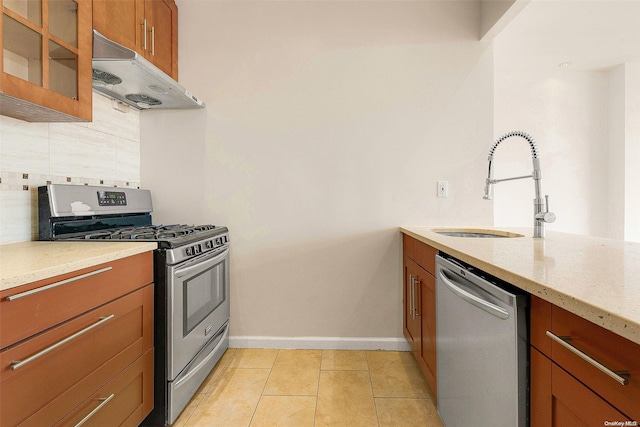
(203, 293)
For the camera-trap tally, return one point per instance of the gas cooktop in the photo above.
(151, 232)
(167, 236)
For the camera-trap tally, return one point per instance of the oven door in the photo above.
(198, 306)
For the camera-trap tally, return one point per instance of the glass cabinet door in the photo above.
(40, 43)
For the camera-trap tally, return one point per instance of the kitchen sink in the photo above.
(476, 233)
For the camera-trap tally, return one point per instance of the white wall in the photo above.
(624, 148)
(566, 112)
(632, 153)
(327, 126)
(615, 200)
(103, 152)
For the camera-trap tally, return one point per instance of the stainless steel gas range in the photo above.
(191, 276)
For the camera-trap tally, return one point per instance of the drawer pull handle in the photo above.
(104, 400)
(56, 284)
(620, 376)
(20, 363)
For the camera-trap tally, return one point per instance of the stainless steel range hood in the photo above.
(120, 73)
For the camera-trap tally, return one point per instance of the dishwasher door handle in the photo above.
(482, 304)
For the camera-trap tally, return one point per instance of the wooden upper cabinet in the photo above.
(162, 31)
(119, 21)
(46, 60)
(150, 27)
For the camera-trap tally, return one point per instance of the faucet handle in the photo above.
(546, 216)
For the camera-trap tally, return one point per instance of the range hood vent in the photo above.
(120, 73)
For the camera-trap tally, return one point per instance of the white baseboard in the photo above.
(320, 343)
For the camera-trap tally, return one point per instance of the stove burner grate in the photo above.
(151, 232)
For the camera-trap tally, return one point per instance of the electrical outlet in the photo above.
(443, 189)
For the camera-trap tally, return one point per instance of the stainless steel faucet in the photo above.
(541, 212)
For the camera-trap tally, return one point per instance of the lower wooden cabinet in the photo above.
(569, 389)
(558, 399)
(79, 344)
(412, 306)
(427, 357)
(419, 314)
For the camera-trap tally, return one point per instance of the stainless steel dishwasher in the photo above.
(481, 346)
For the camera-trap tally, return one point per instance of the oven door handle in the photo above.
(201, 263)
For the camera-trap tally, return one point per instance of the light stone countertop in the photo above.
(26, 262)
(597, 279)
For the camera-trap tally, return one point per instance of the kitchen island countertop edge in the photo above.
(595, 278)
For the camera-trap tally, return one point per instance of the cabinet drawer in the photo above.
(124, 401)
(73, 360)
(29, 309)
(607, 348)
(575, 405)
(423, 254)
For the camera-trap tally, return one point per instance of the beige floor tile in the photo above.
(407, 413)
(253, 358)
(396, 374)
(344, 360)
(285, 411)
(294, 373)
(232, 399)
(345, 399)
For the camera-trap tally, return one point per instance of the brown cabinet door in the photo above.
(120, 21)
(558, 399)
(419, 316)
(412, 323)
(540, 389)
(162, 19)
(428, 338)
(573, 404)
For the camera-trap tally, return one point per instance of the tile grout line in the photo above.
(264, 387)
(315, 409)
(373, 397)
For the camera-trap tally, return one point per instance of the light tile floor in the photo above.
(315, 388)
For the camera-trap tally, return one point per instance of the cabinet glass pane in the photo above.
(63, 70)
(63, 20)
(28, 9)
(22, 51)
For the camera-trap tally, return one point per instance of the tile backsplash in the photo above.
(104, 152)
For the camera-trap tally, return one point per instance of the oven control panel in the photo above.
(207, 245)
(112, 198)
